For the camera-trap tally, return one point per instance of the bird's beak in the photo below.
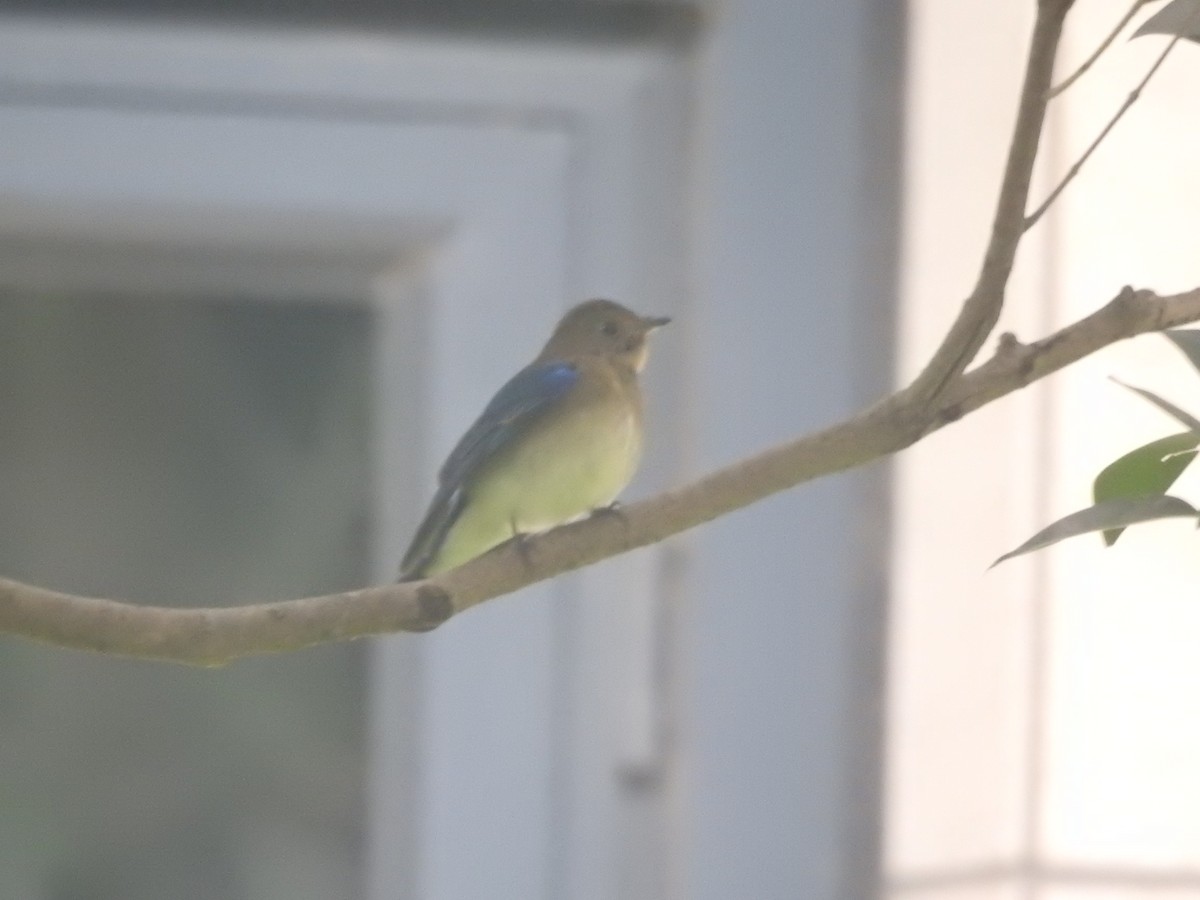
(652, 322)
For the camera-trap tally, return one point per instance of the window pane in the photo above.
(186, 452)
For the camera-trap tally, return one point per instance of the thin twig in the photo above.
(1091, 60)
(1032, 218)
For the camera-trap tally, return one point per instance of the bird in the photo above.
(560, 440)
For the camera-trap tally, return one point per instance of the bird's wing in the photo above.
(527, 396)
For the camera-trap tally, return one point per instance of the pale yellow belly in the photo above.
(553, 476)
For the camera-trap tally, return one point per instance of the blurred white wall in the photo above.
(1041, 739)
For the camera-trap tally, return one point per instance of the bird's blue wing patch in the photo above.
(527, 395)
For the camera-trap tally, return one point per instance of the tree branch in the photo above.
(216, 636)
(981, 310)
(941, 394)
(1016, 365)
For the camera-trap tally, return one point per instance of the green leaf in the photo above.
(1187, 340)
(1146, 471)
(1165, 405)
(1103, 517)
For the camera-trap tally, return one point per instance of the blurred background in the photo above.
(262, 263)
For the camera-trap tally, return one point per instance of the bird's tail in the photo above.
(443, 511)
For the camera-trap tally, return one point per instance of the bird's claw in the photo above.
(522, 543)
(614, 510)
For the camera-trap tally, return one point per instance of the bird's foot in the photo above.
(523, 544)
(614, 510)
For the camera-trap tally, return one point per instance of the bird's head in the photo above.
(603, 328)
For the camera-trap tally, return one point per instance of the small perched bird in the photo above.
(561, 439)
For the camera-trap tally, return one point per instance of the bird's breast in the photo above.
(571, 463)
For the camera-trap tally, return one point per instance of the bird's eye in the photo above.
(609, 328)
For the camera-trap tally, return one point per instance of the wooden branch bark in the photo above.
(217, 635)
